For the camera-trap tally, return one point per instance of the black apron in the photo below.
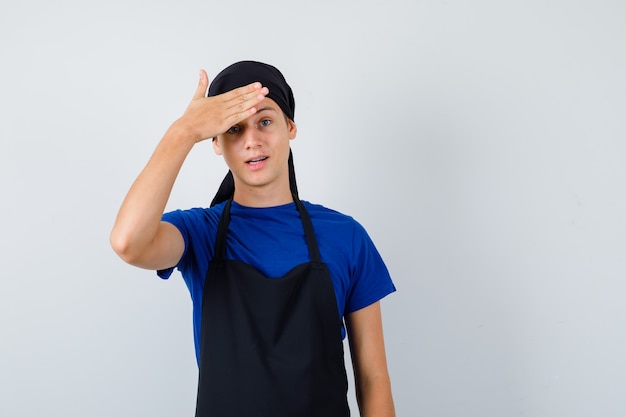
(270, 347)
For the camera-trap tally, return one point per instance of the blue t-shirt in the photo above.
(272, 240)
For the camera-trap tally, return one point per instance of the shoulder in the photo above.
(196, 225)
(337, 230)
(193, 216)
(358, 271)
(326, 217)
(326, 214)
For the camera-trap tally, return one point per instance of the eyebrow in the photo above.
(266, 108)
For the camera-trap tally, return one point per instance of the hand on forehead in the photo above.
(247, 72)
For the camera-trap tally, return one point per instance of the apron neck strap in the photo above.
(309, 234)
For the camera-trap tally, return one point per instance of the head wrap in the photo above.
(243, 73)
(246, 72)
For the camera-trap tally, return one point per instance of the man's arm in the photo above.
(367, 349)
(138, 236)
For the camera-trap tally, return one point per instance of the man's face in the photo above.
(257, 149)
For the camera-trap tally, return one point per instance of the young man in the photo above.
(272, 278)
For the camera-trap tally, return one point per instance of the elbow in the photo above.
(122, 246)
(146, 250)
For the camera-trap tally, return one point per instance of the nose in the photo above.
(252, 138)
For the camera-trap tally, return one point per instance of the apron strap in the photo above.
(222, 230)
(311, 242)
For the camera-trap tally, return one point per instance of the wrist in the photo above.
(182, 134)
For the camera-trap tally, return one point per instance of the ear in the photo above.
(216, 146)
(292, 128)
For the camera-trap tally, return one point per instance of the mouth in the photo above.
(256, 161)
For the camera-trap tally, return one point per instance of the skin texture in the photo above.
(367, 349)
(252, 134)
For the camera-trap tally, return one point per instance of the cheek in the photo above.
(224, 146)
(228, 150)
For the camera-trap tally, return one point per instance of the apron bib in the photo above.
(270, 347)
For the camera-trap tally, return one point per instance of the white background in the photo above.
(481, 144)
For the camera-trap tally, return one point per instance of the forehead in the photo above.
(267, 104)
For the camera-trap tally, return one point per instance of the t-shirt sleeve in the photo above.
(181, 220)
(370, 278)
(197, 227)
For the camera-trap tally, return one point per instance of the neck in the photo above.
(268, 196)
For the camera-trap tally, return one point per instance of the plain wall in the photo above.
(481, 144)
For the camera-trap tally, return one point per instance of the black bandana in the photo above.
(244, 73)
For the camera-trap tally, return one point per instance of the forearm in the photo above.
(140, 214)
(374, 396)
(367, 349)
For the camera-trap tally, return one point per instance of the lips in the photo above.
(256, 161)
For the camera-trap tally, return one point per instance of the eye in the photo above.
(265, 123)
(233, 130)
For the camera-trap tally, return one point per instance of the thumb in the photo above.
(203, 84)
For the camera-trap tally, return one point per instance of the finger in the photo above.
(203, 84)
(242, 110)
(243, 93)
(247, 100)
(237, 117)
